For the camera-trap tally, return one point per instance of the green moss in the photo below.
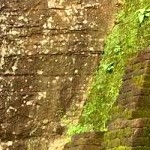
(127, 38)
(141, 113)
(139, 80)
(122, 148)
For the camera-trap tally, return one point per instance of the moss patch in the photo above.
(122, 148)
(128, 37)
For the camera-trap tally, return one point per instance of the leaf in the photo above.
(117, 49)
(141, 17)
(148, 10)
(109, 67)
(143, 13)
(147, 14)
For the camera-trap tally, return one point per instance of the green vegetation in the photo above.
(122, 148)
(130, 35)
(143, 13)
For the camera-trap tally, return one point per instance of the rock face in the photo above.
(86, 141)
(49, 49)
(129, 127)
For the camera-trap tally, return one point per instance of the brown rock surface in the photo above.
(49, 50)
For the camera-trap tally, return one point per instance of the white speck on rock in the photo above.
(41, 95)
(76, 71)
(45, 121)
(9, 143)
(29, 103)
(40, 72)
(70, 78)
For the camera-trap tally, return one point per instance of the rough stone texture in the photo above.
(86, 141)
(48, 51)
(129, 127)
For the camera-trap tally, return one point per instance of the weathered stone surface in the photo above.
(88, 141)
(49, 50)
(130, 123)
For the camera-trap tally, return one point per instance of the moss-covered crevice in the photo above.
(130, 34)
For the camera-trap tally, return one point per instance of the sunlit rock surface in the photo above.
(49, 50)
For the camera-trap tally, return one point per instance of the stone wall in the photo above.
(129, 127)
(86, 141)
(49, 50)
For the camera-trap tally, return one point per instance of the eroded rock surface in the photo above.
(86, 141)
(49, 49)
